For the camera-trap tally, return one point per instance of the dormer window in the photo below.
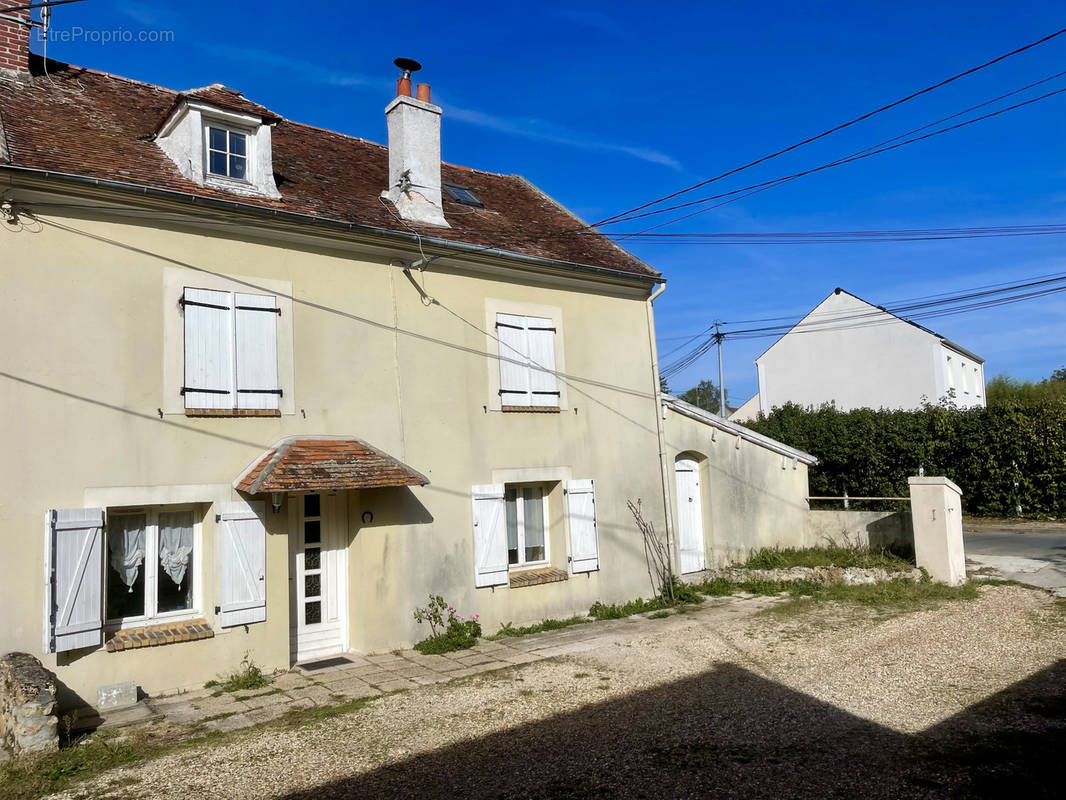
(219, 139)
(227, 153)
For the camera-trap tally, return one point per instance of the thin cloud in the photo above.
(546, 132)
(305, 69)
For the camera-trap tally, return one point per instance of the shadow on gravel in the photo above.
(729, 733)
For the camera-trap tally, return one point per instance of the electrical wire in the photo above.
(836, 128)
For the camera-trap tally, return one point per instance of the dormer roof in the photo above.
(221, 97)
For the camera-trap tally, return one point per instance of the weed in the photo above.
(508, 630)
(582, 675)
(217, 717)
(830, 555)
(247, 676)
(659, 615)
(602, 610)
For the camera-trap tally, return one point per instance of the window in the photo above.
(227, 153)
(527, 362)
(231, 353)
(151, 563)
(461, 194)
(527, 515)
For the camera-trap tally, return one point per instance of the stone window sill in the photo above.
(531, 409)
(535, 577)
(232, 412)
(154, 635)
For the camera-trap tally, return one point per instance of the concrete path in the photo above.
(370, 675)
(1031, 554)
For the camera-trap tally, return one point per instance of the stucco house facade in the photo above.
(854, 354)
(269, 386)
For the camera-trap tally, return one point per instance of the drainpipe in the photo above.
(660, 432)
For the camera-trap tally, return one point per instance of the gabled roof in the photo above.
(80, 122)
(222, 97)
(707, 418)
(325, 463)
(828, 326)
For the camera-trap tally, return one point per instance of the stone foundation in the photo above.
(28, 722)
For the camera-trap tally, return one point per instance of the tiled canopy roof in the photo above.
(91, 124)
(302, 464)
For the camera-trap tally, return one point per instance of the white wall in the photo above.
(850, 353)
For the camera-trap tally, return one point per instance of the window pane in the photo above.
(174, 585)
(125, 571)
(313, 532)
(512, 526)
(533, 512)
(236, 143)
(312, 558)
(217, 163)
(312, 585)
(311, 505)
(236, 167)
(217, 138)
(313, 613)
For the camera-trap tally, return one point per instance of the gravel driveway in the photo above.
(967, 700)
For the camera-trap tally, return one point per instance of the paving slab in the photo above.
(397, 685)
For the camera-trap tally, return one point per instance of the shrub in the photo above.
(448, 631)
(831, 555)
(682, 592)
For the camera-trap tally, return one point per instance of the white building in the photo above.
(857, 355)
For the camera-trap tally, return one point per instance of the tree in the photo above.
(704, 395)
(1003, 389)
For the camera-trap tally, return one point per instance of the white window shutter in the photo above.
(74, 575)
(515, 385)
(242, 563)
(543, 382)
(256, 317)
(208, 349)
(490, 535)
(581, 512)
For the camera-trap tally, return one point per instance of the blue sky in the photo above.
(608, 105)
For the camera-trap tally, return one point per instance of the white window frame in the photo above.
(249, 152)
(520, 523)
(151, 567)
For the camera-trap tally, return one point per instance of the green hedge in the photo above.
(1002, 457)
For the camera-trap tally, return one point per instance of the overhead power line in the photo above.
(835, 128)
(839, 237)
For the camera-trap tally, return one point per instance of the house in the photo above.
(266, 386)
(854, 354)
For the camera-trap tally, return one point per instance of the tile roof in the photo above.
(324, 463)
(91, 124)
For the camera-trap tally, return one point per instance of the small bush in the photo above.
(460, 635)
(683, 592)
(717, 587)
(247, 676)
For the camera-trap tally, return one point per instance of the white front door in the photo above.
(320, 577)
(689, 515)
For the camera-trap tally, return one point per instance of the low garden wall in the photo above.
(830, 576)
(28, 722)
(873, 529)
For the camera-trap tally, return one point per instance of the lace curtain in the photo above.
(125, 541)
(175, 544)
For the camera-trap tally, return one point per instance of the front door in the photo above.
(689, 515)
(320, 577)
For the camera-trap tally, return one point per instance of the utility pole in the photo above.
(721, 381)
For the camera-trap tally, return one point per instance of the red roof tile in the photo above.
(92, 124)
(300, 464)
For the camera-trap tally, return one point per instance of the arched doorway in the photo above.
(689, 514)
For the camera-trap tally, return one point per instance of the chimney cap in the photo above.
(408, 65)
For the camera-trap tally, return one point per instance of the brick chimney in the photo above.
(414, 152)
(14, 38)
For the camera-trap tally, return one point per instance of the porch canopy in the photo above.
(325, 463)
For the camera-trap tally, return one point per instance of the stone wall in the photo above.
(28, 722)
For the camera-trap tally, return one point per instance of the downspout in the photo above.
(659, 429)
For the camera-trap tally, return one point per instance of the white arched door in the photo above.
(689, 515)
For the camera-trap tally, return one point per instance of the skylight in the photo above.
(461, 194)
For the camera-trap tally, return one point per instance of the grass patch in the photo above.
(831, 555)
(260, 694)
(507, 630)
(603, 611)
(659, 614)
